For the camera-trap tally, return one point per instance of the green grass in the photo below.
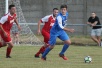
(23, 57)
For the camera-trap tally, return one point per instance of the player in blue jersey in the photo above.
(58, 30)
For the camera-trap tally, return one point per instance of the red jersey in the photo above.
(49, 22)
(7, 21)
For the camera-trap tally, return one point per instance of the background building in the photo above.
(79, 11)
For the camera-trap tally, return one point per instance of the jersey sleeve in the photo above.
(59, 19)
(3, 19)
(89, 20)
(45, 19)
(96, 19)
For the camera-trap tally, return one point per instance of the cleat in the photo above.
(44, 59)
(36, 56)
(64, 57)
(8, 57)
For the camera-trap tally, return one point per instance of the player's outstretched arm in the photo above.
(94, 24)
(89, 23)
(69, 30)
(16, 21)
(39, 31)
(43, 20)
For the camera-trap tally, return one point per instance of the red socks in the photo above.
(0, 44)
(8, 51)
(42, 49)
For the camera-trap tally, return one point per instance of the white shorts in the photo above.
(96, 32)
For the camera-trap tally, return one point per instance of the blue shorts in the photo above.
(62, 35)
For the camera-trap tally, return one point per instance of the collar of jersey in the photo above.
(10, 14)
(52, 16)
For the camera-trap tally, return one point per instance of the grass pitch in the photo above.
(23, 57)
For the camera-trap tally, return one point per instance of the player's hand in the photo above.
(92, 25)
(38, 32)
(89, 24)
(5, 34)
(71, 30)
(19, 28)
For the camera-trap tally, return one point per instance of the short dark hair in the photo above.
(10, 6)
(93, 12)
(55, 9)
(63, 6)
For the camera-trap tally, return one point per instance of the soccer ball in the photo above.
(88, 59)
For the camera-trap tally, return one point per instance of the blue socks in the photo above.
(65, 47)
(46, 52)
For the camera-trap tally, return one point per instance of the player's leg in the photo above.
(94, 36)
(41, 50)
(52, 42)
(14, 38)
(99, 36)
(99, 40)
(10, 46)
(7, 40)
(46, 36)
(2, 44)
(9, 49)
(17, 37)
(64, 37)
